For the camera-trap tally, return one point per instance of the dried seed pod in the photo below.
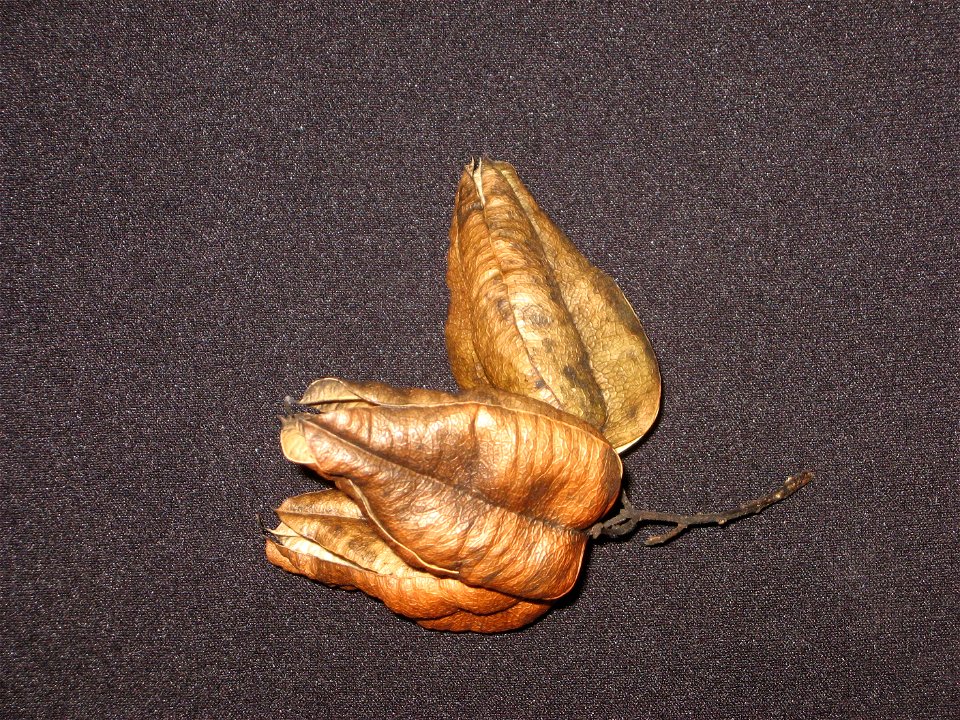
(530, 315)
(489, 488)
(325, 536)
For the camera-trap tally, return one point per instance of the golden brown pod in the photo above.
(325, 536)
(489, 488)
(530, 315)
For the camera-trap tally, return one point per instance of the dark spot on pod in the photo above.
(539, 384)
(489, 578)
(535, 316)
(357, 546)
(539, 490)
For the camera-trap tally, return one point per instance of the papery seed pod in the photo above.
(489, 488)
(325, 536)
(530, 315)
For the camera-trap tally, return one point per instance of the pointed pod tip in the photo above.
(477, 174)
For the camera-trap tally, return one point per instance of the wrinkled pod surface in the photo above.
(530, 315)
(464, 512)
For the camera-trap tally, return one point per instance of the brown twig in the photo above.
(627, 520)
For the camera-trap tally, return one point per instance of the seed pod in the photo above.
(488, 488)
(325, 536)
(530, 315)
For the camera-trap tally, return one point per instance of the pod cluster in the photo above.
(468, 511)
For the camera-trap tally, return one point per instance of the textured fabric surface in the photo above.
(206, 207)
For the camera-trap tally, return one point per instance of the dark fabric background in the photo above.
(206, 207)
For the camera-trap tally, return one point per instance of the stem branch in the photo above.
(627, 520)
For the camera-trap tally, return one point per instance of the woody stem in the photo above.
(627, 520)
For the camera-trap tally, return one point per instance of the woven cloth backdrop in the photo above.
(207, 206)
